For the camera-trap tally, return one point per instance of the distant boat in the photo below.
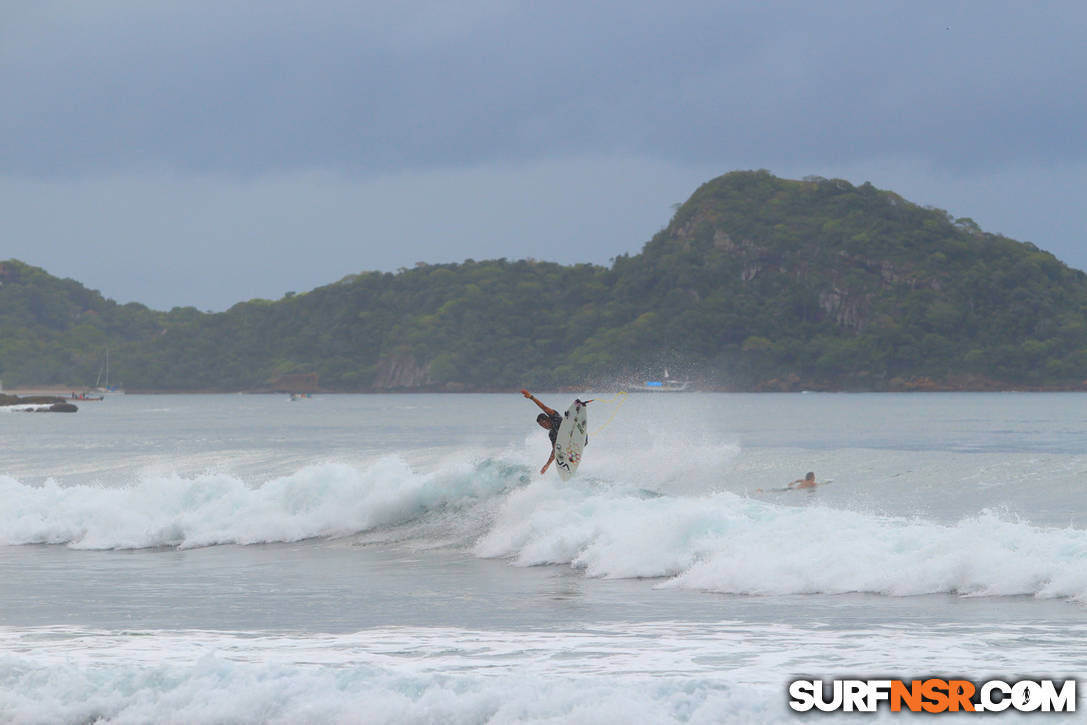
(103, 387)
(664, 385)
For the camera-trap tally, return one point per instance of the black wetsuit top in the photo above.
(556, 421)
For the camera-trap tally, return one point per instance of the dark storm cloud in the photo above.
(250, 88)
(197, 152)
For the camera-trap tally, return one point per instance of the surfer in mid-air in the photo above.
(549, 420)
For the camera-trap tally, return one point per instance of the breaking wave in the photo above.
(398, 675)
(716, 541)
(327, 500)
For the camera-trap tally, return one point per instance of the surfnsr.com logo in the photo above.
(933, 695)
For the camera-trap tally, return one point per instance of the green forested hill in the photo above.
(757, 283)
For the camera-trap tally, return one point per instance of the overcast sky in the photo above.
(208, 152)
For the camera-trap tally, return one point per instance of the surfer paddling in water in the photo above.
(807, 482)
(548, 419)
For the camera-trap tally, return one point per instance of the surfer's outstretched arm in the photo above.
(544, 408)
(548, 464)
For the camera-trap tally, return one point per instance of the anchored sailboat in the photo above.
(102, 387)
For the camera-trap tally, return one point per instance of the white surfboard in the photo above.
(571, 440)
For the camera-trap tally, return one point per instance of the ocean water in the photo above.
(399, 559)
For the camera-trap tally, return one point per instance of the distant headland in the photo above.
(758, 283)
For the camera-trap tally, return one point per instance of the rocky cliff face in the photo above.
(795, 252)
(37, 404)
(400, 370)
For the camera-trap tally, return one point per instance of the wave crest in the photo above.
(325, 500)
(726, 543)
(720, 542)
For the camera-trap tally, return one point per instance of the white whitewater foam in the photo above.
(25, 407)
(718, 542)
(215, 508)
(727, 543)
(384, 676)
(654, 672)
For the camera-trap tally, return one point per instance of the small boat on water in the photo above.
(103, 388)
(666, 384)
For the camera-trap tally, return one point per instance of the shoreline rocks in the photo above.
(38, 404)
